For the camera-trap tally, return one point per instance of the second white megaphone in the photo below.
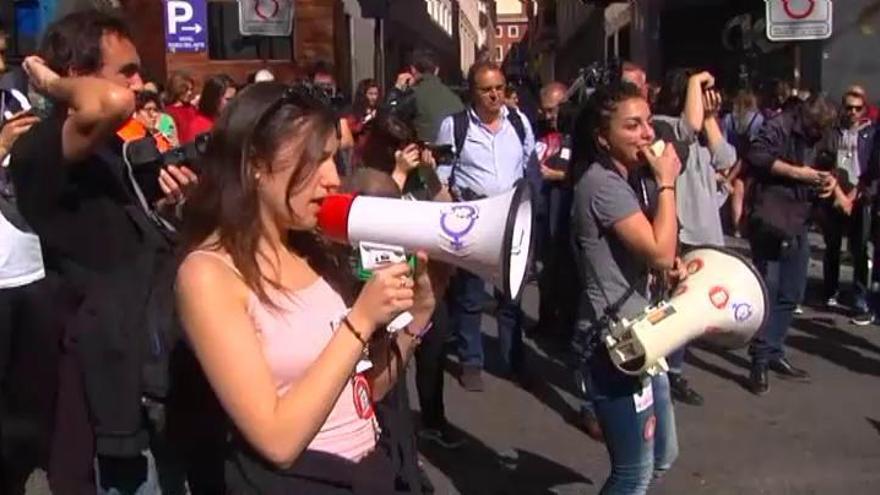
(491, 238)
(723, 302)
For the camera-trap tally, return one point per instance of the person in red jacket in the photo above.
(178, 102)
(216, 93)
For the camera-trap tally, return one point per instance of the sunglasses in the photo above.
(308, 97)
(854, 108)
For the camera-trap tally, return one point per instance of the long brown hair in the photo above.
(245, 140)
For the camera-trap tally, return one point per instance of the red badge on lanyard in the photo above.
(363, 402)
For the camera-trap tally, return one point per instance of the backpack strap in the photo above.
(460, 125)
(516, 121)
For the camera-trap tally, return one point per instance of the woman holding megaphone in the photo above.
(262, 304)
(625, 227)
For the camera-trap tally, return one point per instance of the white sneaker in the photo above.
(798, 310)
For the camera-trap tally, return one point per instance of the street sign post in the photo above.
(798, 20)
(265, 17)
(186, 23)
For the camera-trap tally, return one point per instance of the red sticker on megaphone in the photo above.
(719, 297)
(694, 266)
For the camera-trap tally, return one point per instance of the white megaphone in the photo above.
(491, 238)
(723, 301)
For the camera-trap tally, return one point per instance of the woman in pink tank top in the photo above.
(261, 298)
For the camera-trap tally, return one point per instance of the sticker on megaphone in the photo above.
(373, 255)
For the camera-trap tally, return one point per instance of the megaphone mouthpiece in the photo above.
(333, 216)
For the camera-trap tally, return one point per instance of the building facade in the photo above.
(511, 28)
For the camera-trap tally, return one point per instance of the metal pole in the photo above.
(797, 66)
(378, 53)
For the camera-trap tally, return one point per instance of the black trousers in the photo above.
(430, 358)
(835, 226)
(30, 330)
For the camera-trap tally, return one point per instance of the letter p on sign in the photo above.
(179, 12)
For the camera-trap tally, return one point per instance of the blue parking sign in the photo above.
(186, 24)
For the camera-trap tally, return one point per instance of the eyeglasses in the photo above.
(854, 108)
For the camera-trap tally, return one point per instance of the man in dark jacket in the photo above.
(854, 142)
(74, 189)
(783, 157)
(433, 100)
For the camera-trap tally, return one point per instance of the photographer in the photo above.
(784, 159)
(689, 104)
(431, 100)
(73, 189)
(391, 148)
(624, 227)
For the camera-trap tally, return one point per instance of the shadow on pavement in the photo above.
(721, 372)
(831, 344)
(546, 375)
(874, 423)
(824, 329)
(477, 469)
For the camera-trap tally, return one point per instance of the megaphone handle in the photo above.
(400, 322)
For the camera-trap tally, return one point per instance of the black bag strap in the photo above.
(516, 121)
(460, 126)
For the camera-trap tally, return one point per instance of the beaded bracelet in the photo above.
(418, 336)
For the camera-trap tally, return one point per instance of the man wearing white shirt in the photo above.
(496, 150)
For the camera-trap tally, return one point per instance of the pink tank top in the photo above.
(292, 336)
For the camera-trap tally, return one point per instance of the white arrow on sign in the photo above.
(196, 29)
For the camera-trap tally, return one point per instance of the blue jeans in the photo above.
(641, 437)
(675, 360)
(785, 274)
(466, 313)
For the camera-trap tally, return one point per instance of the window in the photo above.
(499, 54)
(226, 43)
(499, 31)
(513, 32)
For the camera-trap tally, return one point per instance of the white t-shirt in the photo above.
(21, 259)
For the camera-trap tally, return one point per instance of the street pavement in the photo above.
(800, 439)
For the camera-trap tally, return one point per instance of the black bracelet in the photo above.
(665, 188)
(354, 332)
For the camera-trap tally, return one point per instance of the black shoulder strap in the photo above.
(517, 123)
(459, 131)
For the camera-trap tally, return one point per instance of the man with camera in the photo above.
(76, 191)
(420, 97)
(493, 146)
(785, 158)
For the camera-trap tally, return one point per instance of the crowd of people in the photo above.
(195, 331)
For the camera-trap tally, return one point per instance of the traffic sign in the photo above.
(265, 17)
(186, 23)
(797, 20)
